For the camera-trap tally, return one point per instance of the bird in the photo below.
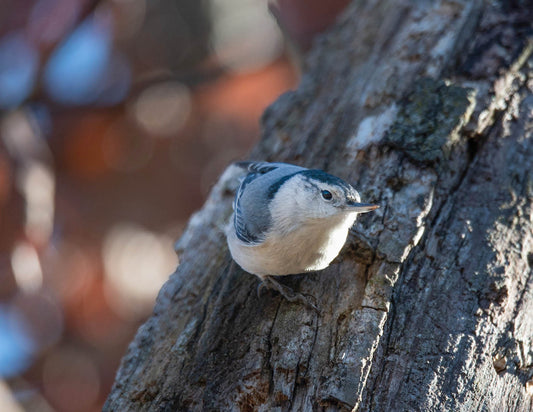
(289, 220)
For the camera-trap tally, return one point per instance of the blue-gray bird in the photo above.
(289, 220)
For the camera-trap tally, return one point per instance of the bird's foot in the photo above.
(268, 282)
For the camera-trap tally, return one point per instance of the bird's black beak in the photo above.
(361, 207)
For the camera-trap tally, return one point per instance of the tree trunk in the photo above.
(427, 108)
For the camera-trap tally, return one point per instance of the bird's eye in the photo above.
(326, 194)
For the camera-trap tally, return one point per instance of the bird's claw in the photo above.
(270, 283)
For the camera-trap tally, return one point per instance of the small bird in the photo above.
(290, 220)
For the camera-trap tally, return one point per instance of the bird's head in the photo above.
(317, 195)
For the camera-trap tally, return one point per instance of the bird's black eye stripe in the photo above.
(326, 194)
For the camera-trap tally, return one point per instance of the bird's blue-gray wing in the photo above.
(239, 216)
(252, 217)
(261, 167)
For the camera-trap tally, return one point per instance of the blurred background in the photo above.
(116, 118)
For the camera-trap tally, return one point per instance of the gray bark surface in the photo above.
(427, 108)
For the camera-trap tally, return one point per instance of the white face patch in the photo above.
(301, 199)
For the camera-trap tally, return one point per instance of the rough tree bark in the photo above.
(427, 107)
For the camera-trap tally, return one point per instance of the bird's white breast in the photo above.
(304, 248)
